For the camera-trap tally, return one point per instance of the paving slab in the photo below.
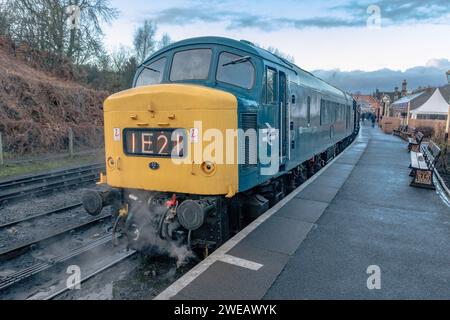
(279, 234)
(304, 210)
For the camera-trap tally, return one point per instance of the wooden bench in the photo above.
(399, 130)
(423, 164)
(415, 142)
(407, 133)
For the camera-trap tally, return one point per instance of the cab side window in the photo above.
(230, 70)
(271, 85)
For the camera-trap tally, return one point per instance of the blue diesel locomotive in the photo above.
(226, 85)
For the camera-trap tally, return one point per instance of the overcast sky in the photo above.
(320, 34)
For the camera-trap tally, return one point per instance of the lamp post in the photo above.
(407, 115)
(386, 103)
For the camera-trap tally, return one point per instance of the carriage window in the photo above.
(348, 117)
(271, 82)
(308, 111)
(235, 72)
(327, 112)
(152, 74)
(191, 65)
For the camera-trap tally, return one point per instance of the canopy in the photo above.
(406, 100)
(436, 104)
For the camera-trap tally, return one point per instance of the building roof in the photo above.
(365, 98)
(407, 99)
(445, 91)
(367, 101)
(436, 104)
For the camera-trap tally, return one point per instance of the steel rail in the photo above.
(41, 215)
(20, 182)
(79, 180)
(124, 256)
(16, 277)
(5, 254)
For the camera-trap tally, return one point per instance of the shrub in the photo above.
(427, 131)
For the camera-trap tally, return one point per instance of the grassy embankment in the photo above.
(42, 166)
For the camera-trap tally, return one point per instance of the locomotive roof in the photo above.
(305, 77)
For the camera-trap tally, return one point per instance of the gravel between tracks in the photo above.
(36, 205)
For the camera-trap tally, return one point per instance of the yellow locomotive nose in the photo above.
(140, 124)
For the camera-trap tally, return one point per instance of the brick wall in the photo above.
(388, 124)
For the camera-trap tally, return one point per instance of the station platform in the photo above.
(319, 241)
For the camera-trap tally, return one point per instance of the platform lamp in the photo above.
(386, 103)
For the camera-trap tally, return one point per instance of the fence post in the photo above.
(71, 143)
(1, 151)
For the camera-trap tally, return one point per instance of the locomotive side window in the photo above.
(152, 74)
(348, 117)
(235, 70)
(191, 65)
(328, 110)
(308, 111)
(271, 83)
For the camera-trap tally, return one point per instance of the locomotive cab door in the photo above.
(283, 116)
(275, 114)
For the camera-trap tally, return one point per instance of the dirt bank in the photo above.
(40, 101)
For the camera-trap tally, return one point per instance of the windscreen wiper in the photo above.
(237, 61)
(151, 69)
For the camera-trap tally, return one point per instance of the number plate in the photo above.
(167, 143)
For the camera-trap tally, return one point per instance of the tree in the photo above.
(119, 58)
(44, 25)
(4, 19)
(280, 54)
(165, 41)
(123, 65)
(144, 40)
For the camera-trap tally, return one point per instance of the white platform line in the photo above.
(189, 277)
(243, 263)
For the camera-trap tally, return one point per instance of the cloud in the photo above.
(401, 11)
(433, 74)
(350, 14)
(239, 20)
(442, 64)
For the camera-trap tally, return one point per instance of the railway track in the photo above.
(41, 184)
(116, 259)
(42, 215)
(16, 189)
(40, 267)
(18, 249)
(18, 276)
(103, 243)
(47, 264)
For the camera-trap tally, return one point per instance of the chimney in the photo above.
(396, 94)
(404, 88)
